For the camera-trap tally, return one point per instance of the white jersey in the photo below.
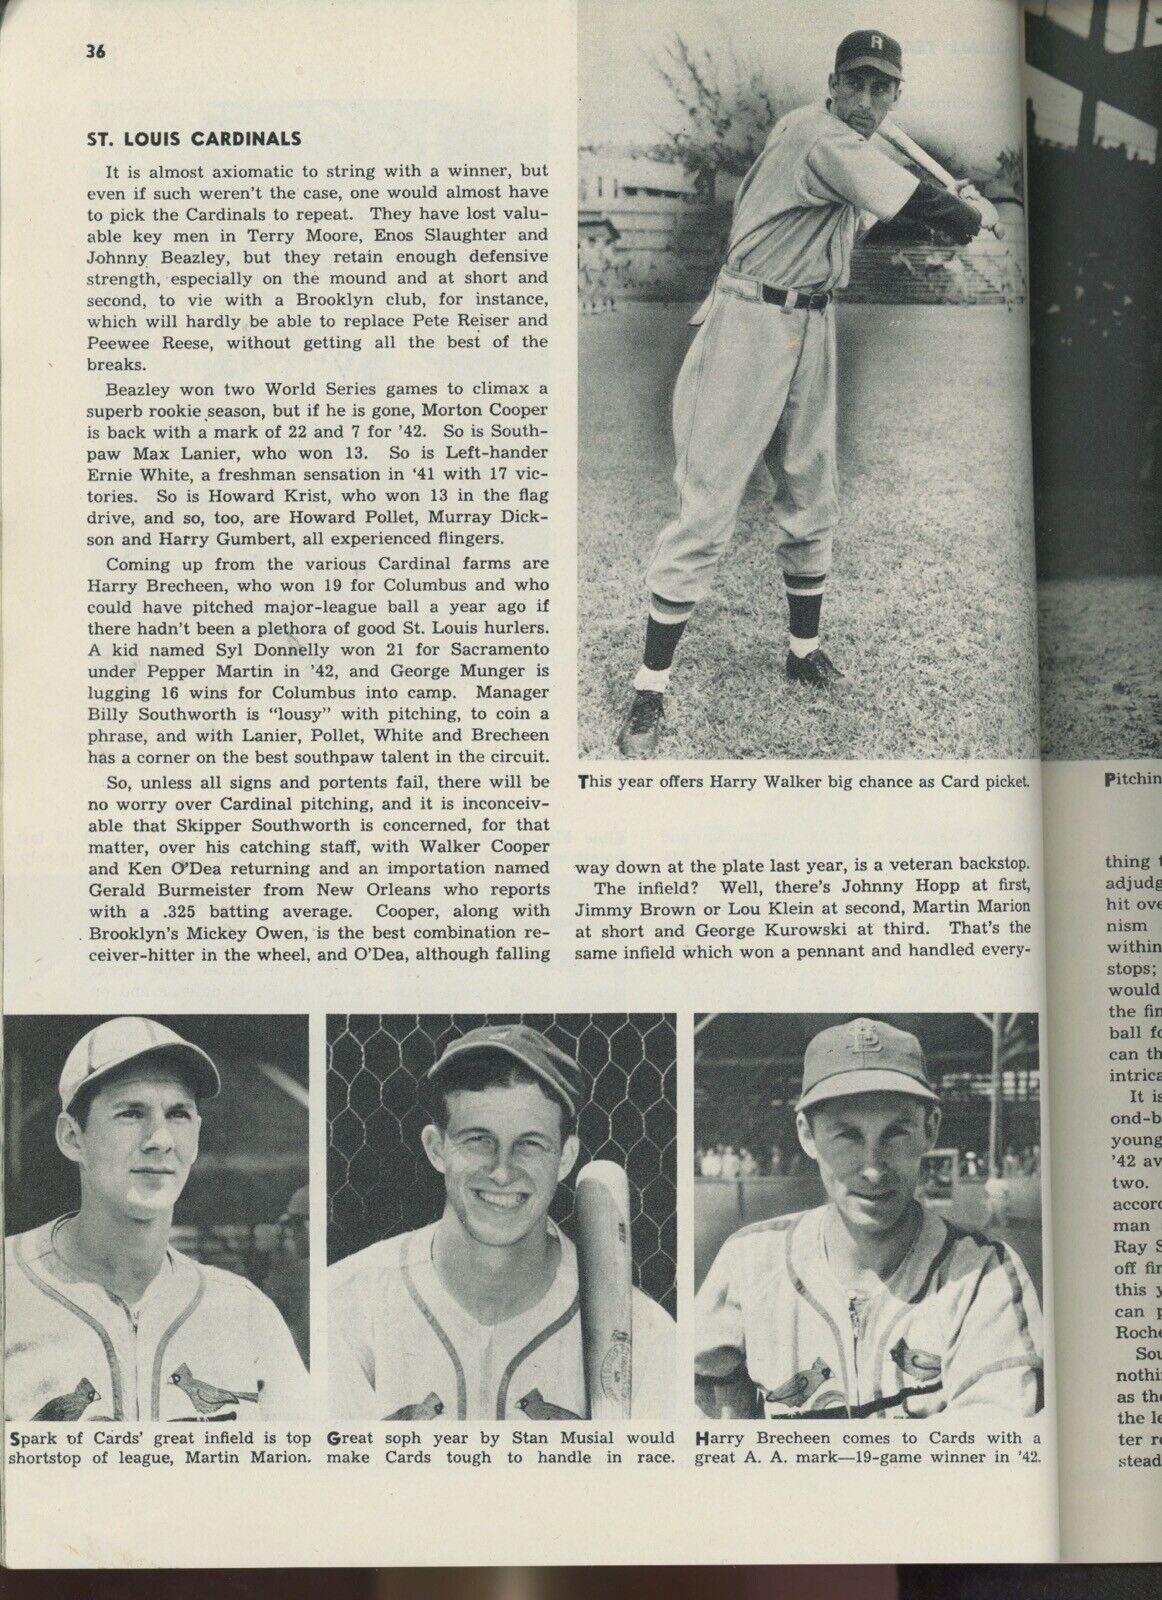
(200, 1345)
(801, 205)
(402, 1348)
(957, 1324)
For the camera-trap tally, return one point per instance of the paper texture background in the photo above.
(433, 80)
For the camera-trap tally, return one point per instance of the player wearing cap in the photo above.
(105, 1320)
(760, 376)
(869, 1305)
(477, 1315)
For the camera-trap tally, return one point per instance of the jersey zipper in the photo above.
(133, 1316)
(133, 1323)
(856, 1306)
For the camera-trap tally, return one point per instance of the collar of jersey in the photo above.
(808, 1260)
(176, 1278)
(557, 1297)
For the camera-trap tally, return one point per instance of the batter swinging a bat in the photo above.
(760, 376)
(479, 1315)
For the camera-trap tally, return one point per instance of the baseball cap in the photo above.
(121, 1040)
(560, 1072)
(863, 1057)
(869, 48)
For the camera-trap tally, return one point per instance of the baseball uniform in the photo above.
(402, 1348)
(200, 1345)
(760, 377)
(957, 1324)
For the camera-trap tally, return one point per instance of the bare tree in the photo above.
(727, 109)
(727, 106)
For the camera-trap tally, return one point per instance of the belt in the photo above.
(790, 299)
(795, 299)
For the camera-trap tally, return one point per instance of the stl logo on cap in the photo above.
(863, 1056)
(863, 1038)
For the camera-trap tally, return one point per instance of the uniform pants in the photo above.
(758, 380)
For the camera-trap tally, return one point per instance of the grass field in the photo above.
(931, 607)
(1101, 641)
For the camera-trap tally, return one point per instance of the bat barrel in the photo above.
(605, 1284)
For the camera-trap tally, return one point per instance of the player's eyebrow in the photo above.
(128, 1101)
(861, 75)
(527, 1133)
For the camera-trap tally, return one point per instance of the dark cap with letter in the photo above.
(870, 48)
(863, 1057)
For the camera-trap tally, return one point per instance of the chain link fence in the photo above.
(380, 1183)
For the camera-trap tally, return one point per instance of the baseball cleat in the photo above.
(817, 670)
(642, 725)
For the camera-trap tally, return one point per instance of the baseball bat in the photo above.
(890, 130)
(605, 1272)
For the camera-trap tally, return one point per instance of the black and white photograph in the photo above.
(804, 501)
(157, 1266)
(502, 1230)
(1094, 99)
(867, 1215)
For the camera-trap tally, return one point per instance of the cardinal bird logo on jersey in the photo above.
(419, 1411)
(535, 1405)
(68, 1407)
(802, 1386)
(207, 1397)
(915, 1363)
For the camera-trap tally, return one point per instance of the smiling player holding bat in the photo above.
(760, 378)
(486, 1313)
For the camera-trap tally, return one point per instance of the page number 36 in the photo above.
(94, 50)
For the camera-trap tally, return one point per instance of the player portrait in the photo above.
(803, 384)
(152, 1168)
(502, 1230)
(867, 1215)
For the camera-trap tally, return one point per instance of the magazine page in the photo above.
(524, 960)
(1092, 81)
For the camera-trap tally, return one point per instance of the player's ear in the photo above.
(68, 1137)
(932, 1125)
(432, 1140)
(570, 1150)
(803, 1129)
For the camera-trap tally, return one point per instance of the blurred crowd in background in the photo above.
(1095, 310)
(731, 1162)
